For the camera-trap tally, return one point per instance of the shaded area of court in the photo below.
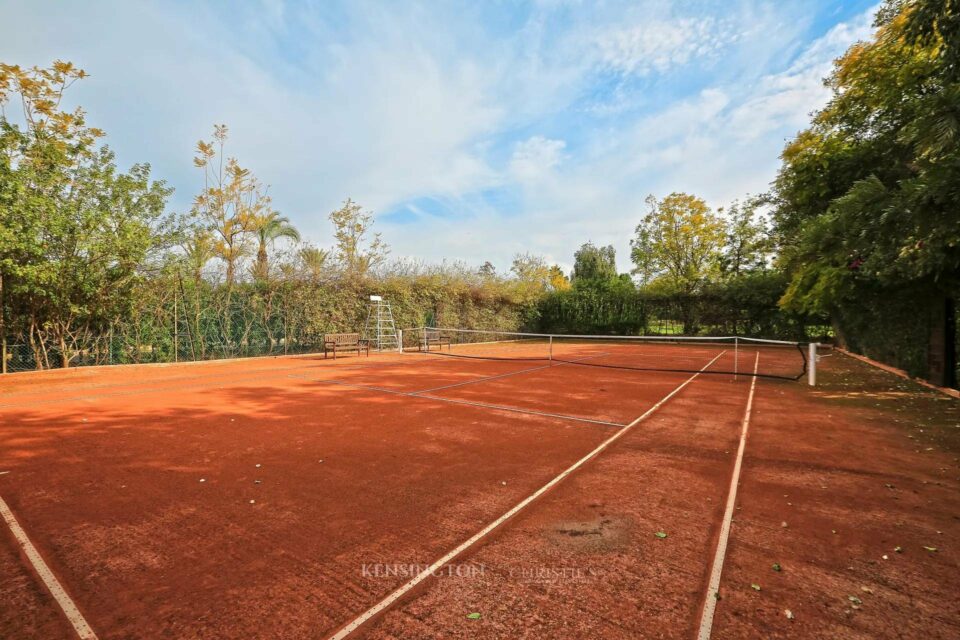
(138, 492)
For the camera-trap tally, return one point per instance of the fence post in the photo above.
(3, 353)
(400, 340)
(176, 331)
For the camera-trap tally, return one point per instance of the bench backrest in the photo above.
(432, 335)
(342, 339)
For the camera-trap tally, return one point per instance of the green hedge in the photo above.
(746, 306)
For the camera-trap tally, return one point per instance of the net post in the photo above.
(812, 364)
(399, 340)
(551, 349)
(736, 357)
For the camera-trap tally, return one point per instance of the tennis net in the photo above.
(733, 355)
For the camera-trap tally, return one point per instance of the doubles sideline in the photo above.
(66, 604)
(713, 588)
(373, 611)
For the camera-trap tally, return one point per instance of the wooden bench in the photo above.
(333, 342)
(435, 337)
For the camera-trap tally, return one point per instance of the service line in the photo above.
(359, 621)
(512, 373)
(484, 405)
(713, 589)
(69, 608)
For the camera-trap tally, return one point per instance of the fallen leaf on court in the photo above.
(789, 614)
(776, 566)
(931, 549)
(855, 600)
(898, 549)
(473, 616)
(660, 534)
(866, 589)
(755, 587)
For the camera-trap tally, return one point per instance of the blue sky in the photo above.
(472, 130)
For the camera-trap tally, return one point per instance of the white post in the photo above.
(812, 364)
(551, 349)
(400, 340)
(736, 357)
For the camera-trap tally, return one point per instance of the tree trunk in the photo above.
(262, 261)
(64, 355)
(941, 347)
(839, 336)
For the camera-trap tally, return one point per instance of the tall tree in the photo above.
(357, 250)
(75, 234)
(315, 261)
(866, 198)
(231, 202)
(532, 275)
(269, 227)
(558, 279)
(594, 265)
(678, 243)
(747, 246)
(487, 270)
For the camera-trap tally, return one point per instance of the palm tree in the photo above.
(270, 227)
(314, 260)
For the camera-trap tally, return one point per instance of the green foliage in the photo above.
(77, 233)
(594, 266)
(748, 246)
(867, 195)
(678, 243)
(866, 198)
(358, 252)
(745, 306)
(270, 227)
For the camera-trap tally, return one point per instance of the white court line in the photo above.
(84, 632)
(496, 407)
(713, 589)
(512, 373)
(357, 622)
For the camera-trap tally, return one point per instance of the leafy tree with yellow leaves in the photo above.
(678, 244)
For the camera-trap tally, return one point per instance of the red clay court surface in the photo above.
(286, 497)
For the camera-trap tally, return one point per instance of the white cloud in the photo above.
(657, 46)
(533, 157)
(390, 104)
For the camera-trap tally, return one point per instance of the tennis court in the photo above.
(494, 486)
